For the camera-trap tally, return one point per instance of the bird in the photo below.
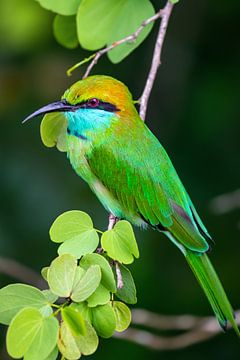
(112, 149)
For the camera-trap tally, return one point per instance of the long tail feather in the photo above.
(211, 285)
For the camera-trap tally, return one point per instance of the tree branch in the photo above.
(156, 60)
(200, 329)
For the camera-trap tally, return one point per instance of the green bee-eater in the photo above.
(127, 168)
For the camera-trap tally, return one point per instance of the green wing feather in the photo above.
(142, 178)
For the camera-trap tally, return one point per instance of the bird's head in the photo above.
(96, 97)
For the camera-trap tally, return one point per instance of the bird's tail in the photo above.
(209, 281)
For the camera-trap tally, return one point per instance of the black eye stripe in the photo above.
(102, 105)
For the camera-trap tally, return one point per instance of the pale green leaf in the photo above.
(88, 343)
(84, 243)
(15, 297)
(107, 274)
(123, 316)
(44, 272)
(67, 344)
(87, 284)
(74, 321)
(40, 335)
(100, 296)
(65, 32)
(53, 355)
(62, 274)
(50, 296)
(75, 229)
(104, 320)
(120, 243)
(72, 347)
(128, 292)
(101, 23)
(53, 130)
(131, 17)
(62, 7)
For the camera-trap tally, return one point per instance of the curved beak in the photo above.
(57, 106)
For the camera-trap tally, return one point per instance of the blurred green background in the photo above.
(194, 110)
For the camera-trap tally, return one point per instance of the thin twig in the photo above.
(156, 60)
(130, 38)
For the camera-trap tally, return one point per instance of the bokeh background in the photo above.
(194, 110)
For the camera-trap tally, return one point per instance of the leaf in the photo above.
(101, 23)
(103, 320)
(88, 343)
(53, 131)
(61, 275)
(15, 297)
(40, 335)
(120, 243)
(72, 347)
(100, 296)
(87, 284)
(44, 272)
(74, 321)
(84, 310)
(65, 32)
(107, 274)
(62, 7)
(67, 344)
(128, 292)
(75, 229)
(50, 296)
(123, 316)
(53, 355)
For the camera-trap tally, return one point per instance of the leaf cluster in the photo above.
(94, 24)
(81, 302)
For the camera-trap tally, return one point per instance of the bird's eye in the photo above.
(93, 102)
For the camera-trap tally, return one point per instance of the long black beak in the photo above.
(61, 105)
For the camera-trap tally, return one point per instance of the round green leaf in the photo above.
(74, 321)
(15, 297)
(87, 284)
(100, 296)
(62, 7)
(72, 347)
(53, 131)
(31, 335)
(50, 296)
(107, 274)
(120, 243)
(67, 344)
(88, 343)
(44, 272)
(65, 32)
(104, 320)
(123, 316)
(84, 310)
(75, 229)
(101, 23)
(128, 292)
(132, 15)
(61, 275)
(53, 355)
